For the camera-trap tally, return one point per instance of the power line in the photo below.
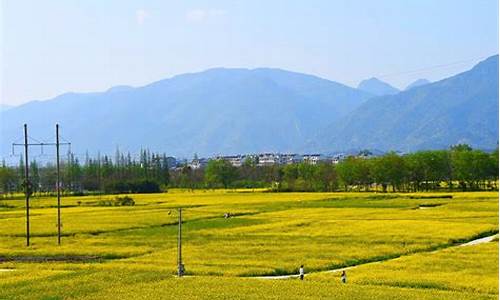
(425, 69)
(461, 62)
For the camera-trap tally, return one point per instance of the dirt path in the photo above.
(471, 243)
(56, 258)
(480, 241)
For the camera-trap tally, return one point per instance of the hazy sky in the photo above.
(52, 47)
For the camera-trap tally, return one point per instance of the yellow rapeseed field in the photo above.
(130, 251)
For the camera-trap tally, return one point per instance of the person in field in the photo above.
(343, 277)
(301, 272)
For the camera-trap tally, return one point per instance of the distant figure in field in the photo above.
(301, 272)
(343, 277)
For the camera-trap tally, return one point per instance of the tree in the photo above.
(481, 164)
(306, 173)
(417, 169)
(462, 166)
(354, 171)
(325, 178)
(427, 169)
(219, 172)
(345, 170)
(493, 168)
(389, 169)
(34, 176)
(290, 175)
(8, 179)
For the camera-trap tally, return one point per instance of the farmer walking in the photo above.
(343, 277)
(301, 272)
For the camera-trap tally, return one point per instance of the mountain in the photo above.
(416, 83)
(5, 107)
(377, 87)
(218, 111)
(119, 88)
(459, 109)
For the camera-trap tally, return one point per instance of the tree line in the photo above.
(123, 174)
(460, 167)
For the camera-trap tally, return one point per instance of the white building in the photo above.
(338, 158)
(312, 159)
(268, 159)
(288, 159)
(234, 160)
(198, 163)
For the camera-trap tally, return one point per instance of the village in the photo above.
(270, 159)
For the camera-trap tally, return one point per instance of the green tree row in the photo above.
(457, 168)
(148, 173)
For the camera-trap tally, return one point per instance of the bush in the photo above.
(137, 186)
(117, 201)
(124, 201)
(145, 186)
(249, 184)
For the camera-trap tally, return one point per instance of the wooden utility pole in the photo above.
(180, 266)
(27, 184)
(58, 188)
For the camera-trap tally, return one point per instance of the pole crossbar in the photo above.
(40, 144)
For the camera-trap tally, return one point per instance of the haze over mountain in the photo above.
(230, 111)
(218, 111)
(459, 109)
(4, 107)
(377, 87)
(417, 82)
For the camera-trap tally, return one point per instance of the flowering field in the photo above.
(131, 251)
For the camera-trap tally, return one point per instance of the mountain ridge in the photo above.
(239, 110)
(459, 109)
(416, 83)
(211, 112)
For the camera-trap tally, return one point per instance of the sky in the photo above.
(50, 47)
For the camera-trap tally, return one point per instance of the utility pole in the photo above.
(28, 188)
(180, 266)
(58, 188)
(27, 184)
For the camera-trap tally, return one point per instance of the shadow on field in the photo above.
(59, 258)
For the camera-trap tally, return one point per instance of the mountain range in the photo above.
(229, 111)
(459, 109)
(217, 111)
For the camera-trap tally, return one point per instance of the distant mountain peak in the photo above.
(418, 82)
(377, 87)
(459, 109)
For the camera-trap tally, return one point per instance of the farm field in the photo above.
(131, 251)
